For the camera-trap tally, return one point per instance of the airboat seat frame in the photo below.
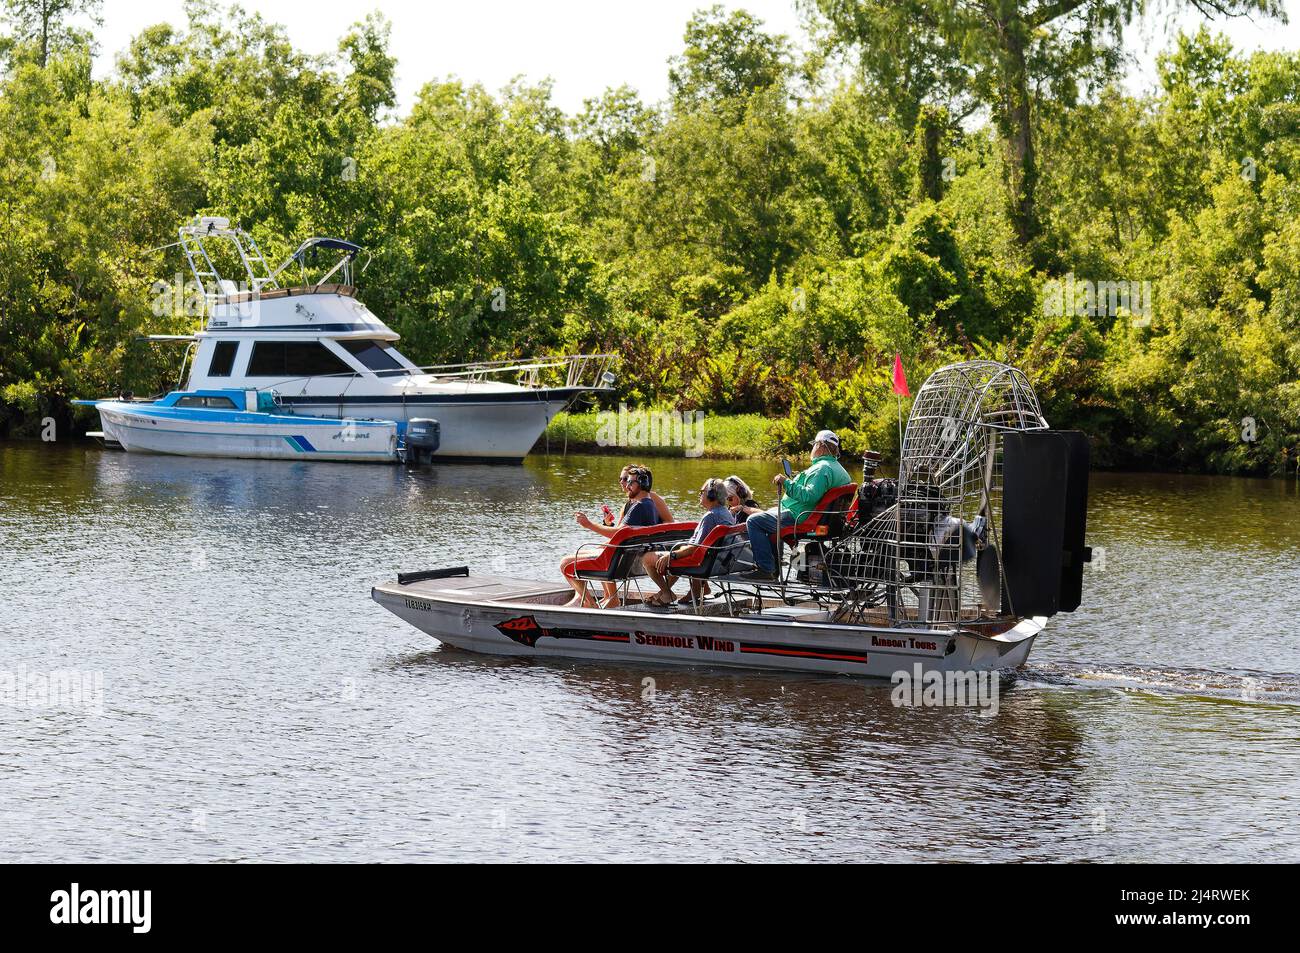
(618, 558)
(710, 559)
(827, 521)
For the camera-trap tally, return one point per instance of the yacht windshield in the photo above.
(375, 355)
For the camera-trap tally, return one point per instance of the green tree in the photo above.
(932, 128)
(370, 79)
(44, 23)
(1006, 54)
(727, 59)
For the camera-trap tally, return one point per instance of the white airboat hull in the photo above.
(524, 618)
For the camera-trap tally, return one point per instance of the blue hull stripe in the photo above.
(204, 416)
(247, 436)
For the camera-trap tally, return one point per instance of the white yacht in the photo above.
(323, 353)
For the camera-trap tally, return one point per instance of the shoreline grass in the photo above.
(726, 437)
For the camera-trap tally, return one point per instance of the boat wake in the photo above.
(1242, 685)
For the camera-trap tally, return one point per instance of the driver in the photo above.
(801, 495)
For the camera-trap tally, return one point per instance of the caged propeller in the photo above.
(935, 554)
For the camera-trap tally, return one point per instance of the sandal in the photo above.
(657, 599)
(688, 599)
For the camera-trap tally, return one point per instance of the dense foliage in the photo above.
(764, 241)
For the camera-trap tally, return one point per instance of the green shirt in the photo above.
(804, 492)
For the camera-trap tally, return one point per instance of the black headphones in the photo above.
(710, 491)
(642, 477)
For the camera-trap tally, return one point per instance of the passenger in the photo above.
(742, 504)
(638, 510)
(801, 496)
(713, 498)
(665, 514)
(646, 479)
(740, 500)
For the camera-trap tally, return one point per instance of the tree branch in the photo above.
(1230, 8)
(1049, 12)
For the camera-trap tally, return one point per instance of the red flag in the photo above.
(900, 379)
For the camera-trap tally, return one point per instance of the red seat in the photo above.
(712, 556)
(826, 519)
(617, 558)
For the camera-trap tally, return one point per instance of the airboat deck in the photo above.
(498, 615)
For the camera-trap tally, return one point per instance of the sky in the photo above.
(585, 46)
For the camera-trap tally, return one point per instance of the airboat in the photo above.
(955, 566)
(298, 331)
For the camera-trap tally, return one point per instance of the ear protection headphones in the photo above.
(642, 477)
(714, 490)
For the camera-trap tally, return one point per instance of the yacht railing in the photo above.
(592, 371)
(214, 287)
(583, 371)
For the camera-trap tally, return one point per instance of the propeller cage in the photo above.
(925, 557)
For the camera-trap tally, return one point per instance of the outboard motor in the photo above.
(423, 435)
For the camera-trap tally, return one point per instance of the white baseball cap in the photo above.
(827, 436)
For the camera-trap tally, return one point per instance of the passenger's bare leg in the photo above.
(699, 589)
(665, 583)
(582, 594)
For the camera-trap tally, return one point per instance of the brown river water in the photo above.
(243, 699)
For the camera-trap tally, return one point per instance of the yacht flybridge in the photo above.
(321, 352)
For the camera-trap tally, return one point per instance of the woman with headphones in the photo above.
(740, 500)
(713, 500)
